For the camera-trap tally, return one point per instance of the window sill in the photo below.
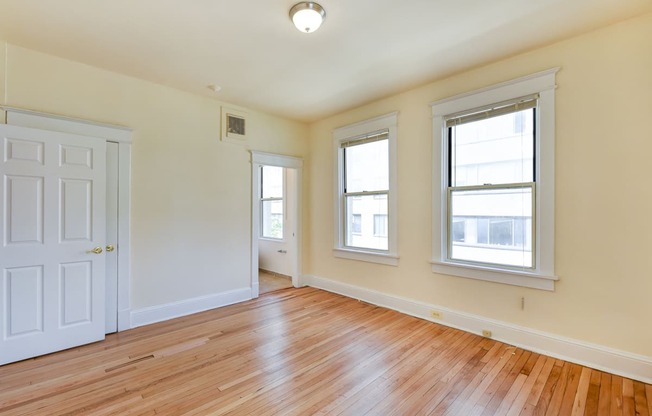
(368, 256)
(509, 277)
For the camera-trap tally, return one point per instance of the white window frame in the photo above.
(387, 122)
(543, 275)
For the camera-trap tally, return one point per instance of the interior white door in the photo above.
(52, 289)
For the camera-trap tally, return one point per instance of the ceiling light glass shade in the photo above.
(307, 16)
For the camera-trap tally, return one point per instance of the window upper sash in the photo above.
(495, 110)
(367, 138)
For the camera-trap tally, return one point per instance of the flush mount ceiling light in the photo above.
(307, 16)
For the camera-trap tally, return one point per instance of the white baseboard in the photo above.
(159, 313)
(599, 357)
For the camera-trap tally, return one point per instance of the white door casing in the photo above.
(52, 289)
(111, 249)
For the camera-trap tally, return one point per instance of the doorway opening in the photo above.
(275, 254)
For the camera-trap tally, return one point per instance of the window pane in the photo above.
(272, 219)
(459, 230)
(500, 232)
(496, 150)
(272, 182)
(364, 210)
(367, 167)
(356, 225)
(380, 225)
(497, 226)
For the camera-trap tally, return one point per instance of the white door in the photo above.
(52, 288)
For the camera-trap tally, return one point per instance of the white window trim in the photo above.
(390, 257)
(543, 276)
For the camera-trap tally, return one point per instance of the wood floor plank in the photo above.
(616, 396)
(629, 405)
(524, 393)
(545, 398)
(568, 401)
(593, 395)
(498, 364)
(503, 390)
(537, 388)
(604, 396)
(640, 401)
(309, 352)
(579, 402)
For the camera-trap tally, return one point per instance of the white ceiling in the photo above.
(365, 50)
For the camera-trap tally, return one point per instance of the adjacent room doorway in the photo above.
(276, 224)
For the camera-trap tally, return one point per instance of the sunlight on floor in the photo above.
(270, 282)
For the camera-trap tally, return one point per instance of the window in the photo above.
(366, 164)
(380, 225)
(491, 183)
(271, 200)
(493, 191)
(356, 226)
(365, 191)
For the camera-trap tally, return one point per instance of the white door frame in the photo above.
(259, 159)
(112, 133)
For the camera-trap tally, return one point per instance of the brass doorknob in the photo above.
(96, 250)
(110, 248)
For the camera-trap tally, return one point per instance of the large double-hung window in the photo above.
(493, 191)
(366, 187)
(492, 184)
(365, 191)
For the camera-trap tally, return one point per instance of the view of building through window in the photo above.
(272, 201)
(366, 183)
(491, 189)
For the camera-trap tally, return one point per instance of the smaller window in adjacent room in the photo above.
(365, 190)
(271, 201)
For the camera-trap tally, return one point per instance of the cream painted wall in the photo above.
(603, 196)
(191, 192)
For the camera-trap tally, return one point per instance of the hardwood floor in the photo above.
(270, 281)
(305, 352)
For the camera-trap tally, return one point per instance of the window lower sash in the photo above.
(492, 225)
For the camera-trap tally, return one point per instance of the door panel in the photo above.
(76, 291)
(76, 200)
(24, 298)
(52, 291)
(24, 204)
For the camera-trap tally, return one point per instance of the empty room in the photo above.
(427, 207)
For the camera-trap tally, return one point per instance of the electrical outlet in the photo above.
(436, 314)
(486, 333)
